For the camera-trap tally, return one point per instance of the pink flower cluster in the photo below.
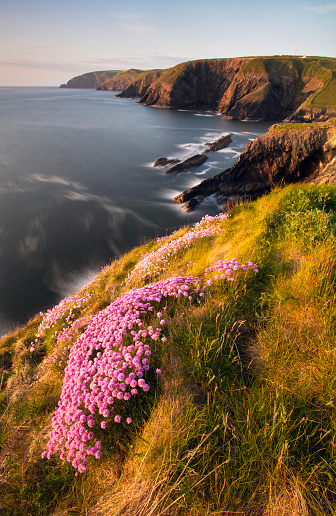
(156, 261)
(108, 362)
(65, 309)
(105, 369)
(227, 269)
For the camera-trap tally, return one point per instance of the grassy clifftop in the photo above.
(234, 371)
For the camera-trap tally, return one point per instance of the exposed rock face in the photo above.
(193, 161)
(221, 143)
(90, 80)
(163, 162)
(195, 84)
(279, 157)
(139, 86)
(121, 81)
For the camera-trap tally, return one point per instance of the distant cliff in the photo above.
(297, 88)
(279, 87)
(91, 80)
(287, 153)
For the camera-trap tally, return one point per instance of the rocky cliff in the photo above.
(90, 80)
(288, 153)
(297, 88)
(140, 85)
(279, 87)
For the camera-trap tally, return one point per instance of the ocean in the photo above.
(78, 189)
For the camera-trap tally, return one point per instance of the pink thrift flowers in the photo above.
(157, 261)
(102, 368)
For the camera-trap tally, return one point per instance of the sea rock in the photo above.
(221, 143)
(163, 162)
(193, 161)
(286, 154)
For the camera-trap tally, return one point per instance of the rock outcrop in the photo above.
(221, 143)
(163, 162)
(90, 80)
(193, 161)
(288, 153)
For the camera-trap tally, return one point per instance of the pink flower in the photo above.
(117, 419)
(129, 420)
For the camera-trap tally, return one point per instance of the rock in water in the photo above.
(162, 162)
(221, 143)
(193, 161)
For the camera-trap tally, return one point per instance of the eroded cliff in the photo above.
(287, 153)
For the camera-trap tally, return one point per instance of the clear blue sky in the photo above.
(47, 42)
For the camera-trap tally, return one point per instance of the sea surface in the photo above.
(77, 185)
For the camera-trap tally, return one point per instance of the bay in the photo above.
(78, 189)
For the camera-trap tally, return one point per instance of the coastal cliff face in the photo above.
(90, 80)
(296, 88)
(195, 84)
(288, 153)
(279, 87)
(139, 86)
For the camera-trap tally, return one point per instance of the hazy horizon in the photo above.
(48, 43)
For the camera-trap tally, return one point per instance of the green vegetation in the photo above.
(327, 97)
(255, 66)
(242, 419)
(295, 126)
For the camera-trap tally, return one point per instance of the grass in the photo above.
(242, 420)
(295, 126)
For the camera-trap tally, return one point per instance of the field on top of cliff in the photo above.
(225, 333)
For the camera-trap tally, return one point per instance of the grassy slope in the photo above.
(242, 420)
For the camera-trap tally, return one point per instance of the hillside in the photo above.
(195, 375)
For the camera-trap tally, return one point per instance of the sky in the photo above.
(47, 42)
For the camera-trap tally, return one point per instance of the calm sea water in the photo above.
(77, 186)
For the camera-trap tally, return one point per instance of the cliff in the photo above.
(91, 80)
(279, 87)
(288, 153)
(297, 88)
(139, 86)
